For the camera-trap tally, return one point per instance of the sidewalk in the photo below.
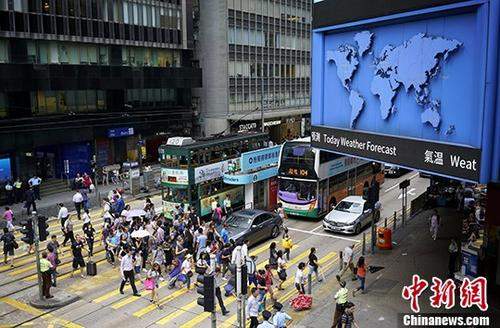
(47, 206)
(414, 252)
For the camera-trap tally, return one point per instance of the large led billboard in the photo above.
(408, 89)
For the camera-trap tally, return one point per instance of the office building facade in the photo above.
(255, 54)
(85, 78)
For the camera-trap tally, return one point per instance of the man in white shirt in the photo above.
(253, 308)
(244, 251)
(78, 201)
(267, 316)
(35, 182)
(236, 256)
(63, 214)
(127, 272)
(347, 261)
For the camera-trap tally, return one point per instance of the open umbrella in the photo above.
(140, 233)
(135, 213)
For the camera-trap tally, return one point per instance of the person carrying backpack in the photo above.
(9, 245)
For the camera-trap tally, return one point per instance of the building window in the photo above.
(4, 51)
(83, 8)
(3, 106)
(18, 5)
(46, 7)
(59, 7)
(71, 8)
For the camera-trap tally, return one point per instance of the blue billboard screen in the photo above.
(403, 79)
(417, 75)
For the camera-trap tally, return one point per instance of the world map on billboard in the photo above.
(408, 67)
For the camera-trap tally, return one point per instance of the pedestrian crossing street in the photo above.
(179, 307)
(186, 312)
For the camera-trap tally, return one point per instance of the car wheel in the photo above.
(357, 229)
(275, 232)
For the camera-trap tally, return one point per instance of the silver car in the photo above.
(349, 216)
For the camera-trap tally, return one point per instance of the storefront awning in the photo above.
(247, 178)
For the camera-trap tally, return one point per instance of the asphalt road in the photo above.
(100, 304)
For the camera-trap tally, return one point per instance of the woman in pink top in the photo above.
(8, 215)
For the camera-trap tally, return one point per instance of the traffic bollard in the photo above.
(394, 222)
(364, 243)
(385, 223)
(341, 262)
(309, 283)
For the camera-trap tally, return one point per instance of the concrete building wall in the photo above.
(212, 54)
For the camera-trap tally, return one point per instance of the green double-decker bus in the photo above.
(192, 170)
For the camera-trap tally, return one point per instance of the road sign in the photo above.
(404, 184)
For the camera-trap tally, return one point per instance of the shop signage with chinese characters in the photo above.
(174, 176)
(253, 160)
(120, 132)
(434, 157)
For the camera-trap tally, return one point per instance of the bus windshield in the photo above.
(297, 190)
(298, 154)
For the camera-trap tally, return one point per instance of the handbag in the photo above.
(15, 244)
(200, 270)
(149, 284)
(282, 274)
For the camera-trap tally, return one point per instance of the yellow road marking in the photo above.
(63, 266)
(199, 318)
(39, 313)
(180, 292)
(232, 320)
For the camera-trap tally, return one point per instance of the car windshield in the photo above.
(349, 207)
(236, 221)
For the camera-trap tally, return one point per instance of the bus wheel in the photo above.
(357, 229)
(275, 232)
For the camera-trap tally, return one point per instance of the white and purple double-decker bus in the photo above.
(311, 181)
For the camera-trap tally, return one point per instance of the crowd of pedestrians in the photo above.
(150, 250)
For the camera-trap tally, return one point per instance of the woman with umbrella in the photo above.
(143, 246)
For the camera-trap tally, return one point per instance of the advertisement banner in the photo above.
(174, 176)
(338, 166)
(236, 195)
(434, 157)
(253, 160)
(215, 170)
(120, 132)
(247, 178)
(168, 207)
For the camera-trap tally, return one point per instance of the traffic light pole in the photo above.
(213, 318)
(238, 292)
(37, 254)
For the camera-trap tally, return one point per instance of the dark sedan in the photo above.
(254, 225)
